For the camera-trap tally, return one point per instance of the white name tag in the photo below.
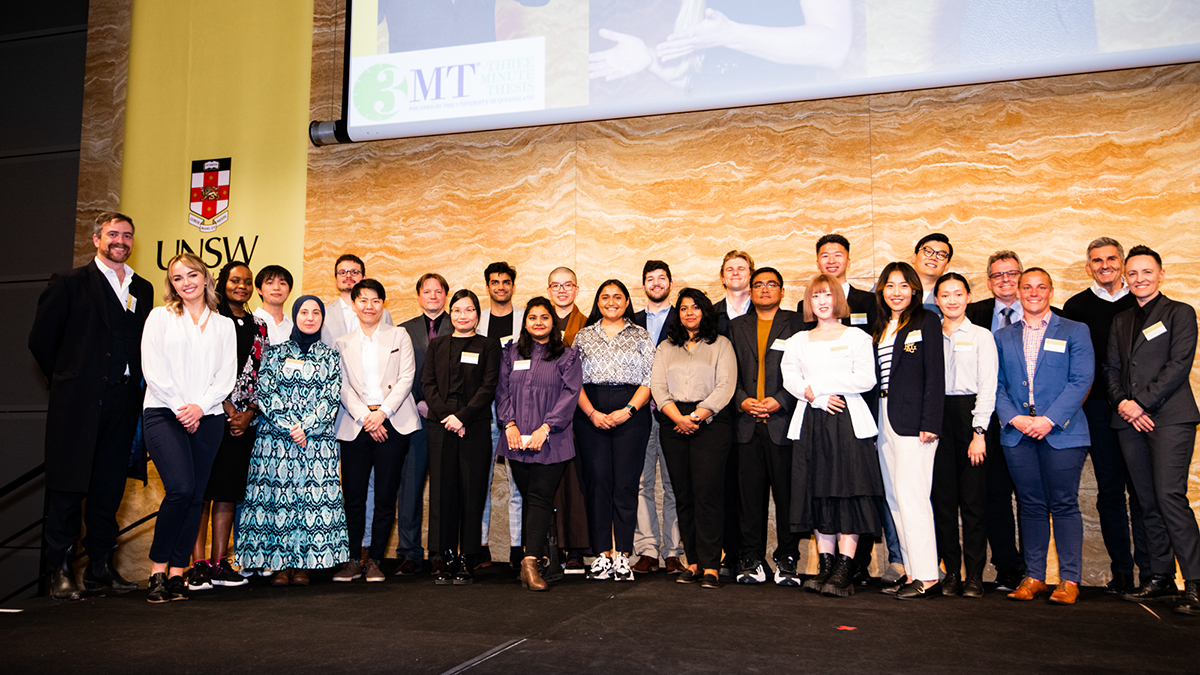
(964, 346)
(505, 340)
(858, 319)
(914, 336)
(525, 440)
(1059, 346)
(132, 305)
(1150, 333)
(293, 365)
(522, 365)
(839, 348)
(471, 358)
(779, 345)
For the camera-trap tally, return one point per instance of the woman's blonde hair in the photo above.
(190, 261)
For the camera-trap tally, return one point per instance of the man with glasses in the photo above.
(341, 319)
(1001, 310)
(931, 257)
(563, 286)
(1096, 307)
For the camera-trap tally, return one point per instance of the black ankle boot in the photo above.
(824, 569)
(463, 575)
(1189, 601)
(840, 583)
(101, 573)
(61, 584)
(450, 564)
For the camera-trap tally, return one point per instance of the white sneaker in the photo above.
(621, 571)
(752, 572)
(602, 567)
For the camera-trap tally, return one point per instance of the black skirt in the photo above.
(836, 481)
(227, 482)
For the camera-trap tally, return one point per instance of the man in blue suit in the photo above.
(1046, 368)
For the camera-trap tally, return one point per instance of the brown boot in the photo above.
(531, 577)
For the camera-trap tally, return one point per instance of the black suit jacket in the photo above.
(420, 342)
(980, 313)
(917, 382)
(722, 310)
(1154, 372)
(672, 318)
(861, 302)
(479, 380)
(744, 335)
(71, 341)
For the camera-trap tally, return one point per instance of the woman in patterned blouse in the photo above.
(612, 425)
(293, 519)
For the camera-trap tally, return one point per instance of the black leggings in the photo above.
(537, 484)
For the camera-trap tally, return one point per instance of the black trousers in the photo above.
(1007, 552)
(1158, 464)
(110, 465)
(958, 486)
(765, 468)
(537, 484)
(1112, 482)
(359, 457)
(458, 486)
(732, 531)
(183, 461)
(697, 464)
(611, 463)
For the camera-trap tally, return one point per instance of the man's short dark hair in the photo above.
(833, 238)
(652, 265)
(352, 258)
(936, 236)
(272, 272)
(1145, 250)
(500, 267)
(434, 275)
(106, 217)
(367, 285)
(766, 270)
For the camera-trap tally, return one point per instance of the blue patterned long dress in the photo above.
(293, 515)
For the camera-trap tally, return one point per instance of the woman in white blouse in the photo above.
(189, 360)
(836, 492)
(959, 476)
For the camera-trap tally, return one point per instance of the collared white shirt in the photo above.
(276, 333)
(1017, 315)
(972, 367)
(372, 392)
(183, 364)
(1102, 292)
(348, 315)
(735, 312)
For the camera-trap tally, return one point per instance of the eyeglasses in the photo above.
(759, 285)
(1011, 274)
(348, 273)
(932, 253)
(562, 287)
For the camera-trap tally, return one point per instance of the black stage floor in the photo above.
(409, 625)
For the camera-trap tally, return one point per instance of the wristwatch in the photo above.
(980, 430)
(631, 408)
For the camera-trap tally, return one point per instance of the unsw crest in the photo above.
(209, 194)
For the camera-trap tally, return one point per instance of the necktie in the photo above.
(433, 329)
(1006, 313)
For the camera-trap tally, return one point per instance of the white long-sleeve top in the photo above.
(972, 367)
(184, 365)
(844, 367)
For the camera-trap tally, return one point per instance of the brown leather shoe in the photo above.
(372, 572)
(1029, 589)
(407, 568)
(300, 577)
(282, 578)
(531, 576)
(645, 564)
(674, 566)
(1066, 593)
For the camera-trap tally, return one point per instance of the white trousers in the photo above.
(907, 466)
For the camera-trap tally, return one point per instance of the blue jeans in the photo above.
(1047, 480)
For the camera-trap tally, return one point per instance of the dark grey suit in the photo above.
(1152, 368)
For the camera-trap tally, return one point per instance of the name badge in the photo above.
(522, 364)
(1059, 346)
(858, 319)
(779, 345)
(964, 346)
(525, 438)
(471, 358)
(914, 336)
(1150, 333)
(839, 348)
(293, 365)
(131, 305)
(505, 340)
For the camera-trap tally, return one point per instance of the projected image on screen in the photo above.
(421, 67)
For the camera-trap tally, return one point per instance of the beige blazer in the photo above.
(397, 370)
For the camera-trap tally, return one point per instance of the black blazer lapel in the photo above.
(1159, 313)
(102, 293)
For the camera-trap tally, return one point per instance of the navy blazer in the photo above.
(672, 318)
(1060, 384)
(1154, 372)
(917, 381)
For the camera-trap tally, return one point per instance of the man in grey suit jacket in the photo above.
(1150, 354)
(347, 271)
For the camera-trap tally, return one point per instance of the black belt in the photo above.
(883, 393)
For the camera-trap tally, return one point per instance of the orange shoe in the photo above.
(1029, 589)
(1066, 593)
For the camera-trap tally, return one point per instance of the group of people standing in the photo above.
(301, 437)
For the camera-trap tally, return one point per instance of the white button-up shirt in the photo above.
(348, 316)
(972, 367)
(185, 365)
(276, 333)
(1102, 292)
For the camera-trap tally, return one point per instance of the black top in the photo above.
(917, 383)
(500, 327)
(1140, 317)
(1097, 314)
(457, 346)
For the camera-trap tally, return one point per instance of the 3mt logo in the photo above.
(375, 92)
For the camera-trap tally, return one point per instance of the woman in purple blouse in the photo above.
(540, 379)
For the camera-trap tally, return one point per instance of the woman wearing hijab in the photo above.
(292, 518)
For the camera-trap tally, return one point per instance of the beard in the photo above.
(653, 297)
(117, 253)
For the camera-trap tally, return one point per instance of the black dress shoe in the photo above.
(894, 588)
(178, 588)
(951, 585)
(1189, 601)
(973, 586)
(1120, 584)
(687, 577)
(917, 590)
(1008, 580)
(1156, 586)
(158, 589)
(62, 584)
(97, 576)
(463, 575)
(444, 574)
(710, 581)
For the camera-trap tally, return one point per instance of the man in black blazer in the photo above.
(650, 541)
(833, 258)
(86, 338)
(1150, 355)
(1002, 309)
(764, 410)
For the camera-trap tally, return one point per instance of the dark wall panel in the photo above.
(38, 192)
(25, 386)
(32, 17)
(42, 81)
